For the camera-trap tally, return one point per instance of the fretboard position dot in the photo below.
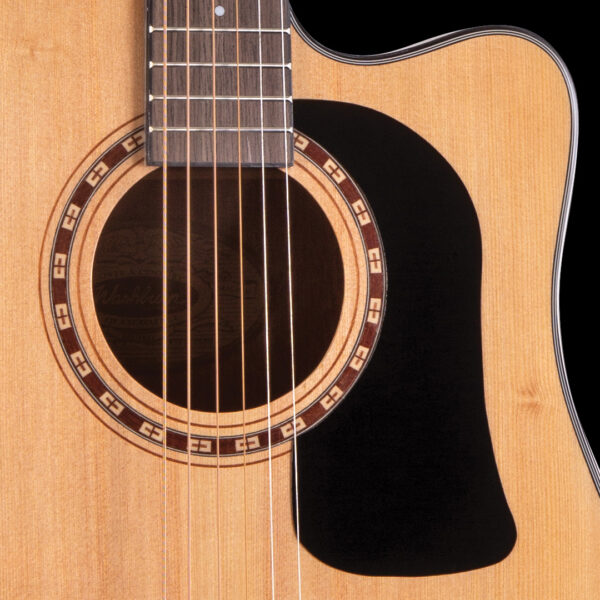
(219, 11)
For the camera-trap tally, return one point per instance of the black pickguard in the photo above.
(401, 478)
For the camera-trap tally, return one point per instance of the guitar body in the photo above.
(83, 498)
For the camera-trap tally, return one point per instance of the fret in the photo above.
(201, 82)
(219, 129)
(227, 148)
(225, 44)
(152, 29)
(201, 111)
(236, 98)
(264, 53)
(211, 65)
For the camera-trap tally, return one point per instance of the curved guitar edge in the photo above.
(448, 39)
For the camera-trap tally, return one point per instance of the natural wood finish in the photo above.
(82, 508)
(210, 88)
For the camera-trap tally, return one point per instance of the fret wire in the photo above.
(152, 29)
(152, 64)
(242, 129)
(152, 97)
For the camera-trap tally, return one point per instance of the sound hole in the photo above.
(127, 286)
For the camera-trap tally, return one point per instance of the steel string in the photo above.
(266, 296)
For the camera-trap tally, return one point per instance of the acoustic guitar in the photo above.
(280, 322)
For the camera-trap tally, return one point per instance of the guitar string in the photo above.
(242, 319)
(290, 294)
(164, 290)
(266, 298)
(216, 286)
(188, 299)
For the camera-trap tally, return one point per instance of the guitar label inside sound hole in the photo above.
(128, 280)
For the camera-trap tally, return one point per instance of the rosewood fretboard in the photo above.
(247, 69)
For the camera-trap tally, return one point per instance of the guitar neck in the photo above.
(222, 71)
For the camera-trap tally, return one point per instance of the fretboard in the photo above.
(234, 96)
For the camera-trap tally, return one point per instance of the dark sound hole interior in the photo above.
(127, 286)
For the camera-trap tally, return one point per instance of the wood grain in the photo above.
(82, 508)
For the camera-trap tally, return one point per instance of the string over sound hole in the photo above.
(127, 286)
